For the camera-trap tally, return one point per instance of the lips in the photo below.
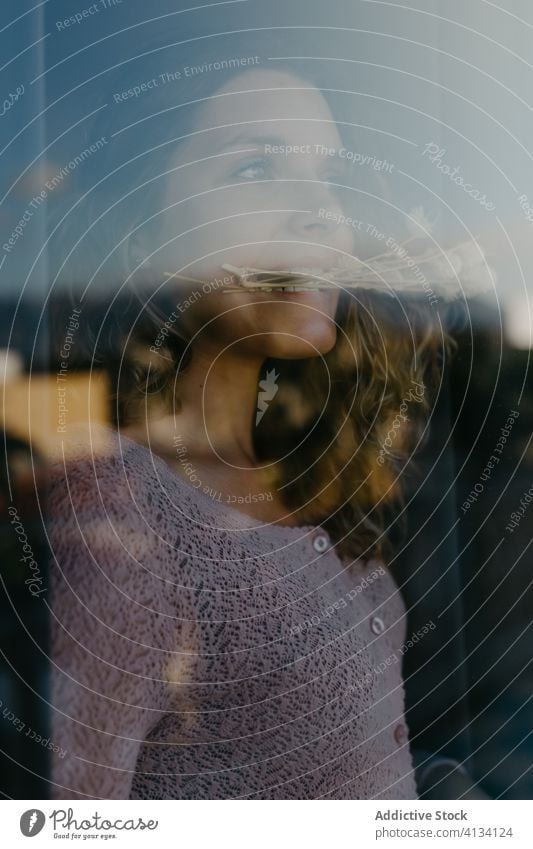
(277, 279)
(288, 291)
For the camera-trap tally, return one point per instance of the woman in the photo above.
(225, 624)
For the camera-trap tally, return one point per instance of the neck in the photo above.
(218, 402)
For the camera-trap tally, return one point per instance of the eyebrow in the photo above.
(243, 139)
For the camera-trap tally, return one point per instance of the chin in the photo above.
(301, 344)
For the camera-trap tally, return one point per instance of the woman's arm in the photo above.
(113, 633)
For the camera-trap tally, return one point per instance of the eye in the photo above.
(257, 169)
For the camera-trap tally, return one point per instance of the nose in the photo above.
(319, 212)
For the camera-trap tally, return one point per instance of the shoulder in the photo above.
(114, 567)
(106, 507)
(93, 452)
(99, 471)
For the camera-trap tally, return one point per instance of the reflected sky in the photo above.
(94, 94)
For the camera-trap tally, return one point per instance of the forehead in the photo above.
(271, 102)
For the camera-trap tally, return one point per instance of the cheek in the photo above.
(239, 212)
(240, 232)
(344, 239)
(245, 219)
(223, 316)
(205, 200)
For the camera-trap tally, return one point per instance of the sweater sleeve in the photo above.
(113, 633)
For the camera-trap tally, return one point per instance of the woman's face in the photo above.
(251, 187)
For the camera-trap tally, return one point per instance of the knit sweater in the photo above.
(198, 653)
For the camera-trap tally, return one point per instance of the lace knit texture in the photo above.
(200, 654)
